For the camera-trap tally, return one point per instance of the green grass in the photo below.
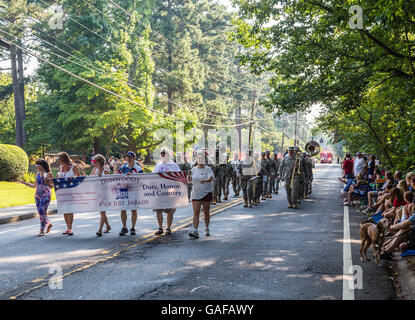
(17, 194)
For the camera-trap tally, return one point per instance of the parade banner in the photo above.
(121, 192)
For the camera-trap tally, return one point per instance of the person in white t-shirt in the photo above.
(165, 165)
(360, 165)
(202, 178)
(98, 161)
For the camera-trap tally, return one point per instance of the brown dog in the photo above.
(371, 233)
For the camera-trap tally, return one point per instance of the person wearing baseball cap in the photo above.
(130, 167)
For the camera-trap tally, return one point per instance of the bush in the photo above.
(29, 177)
(14, 162)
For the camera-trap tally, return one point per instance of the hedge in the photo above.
(14, 162)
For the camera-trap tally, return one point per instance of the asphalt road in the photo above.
(267, 252)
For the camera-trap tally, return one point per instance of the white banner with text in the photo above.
(121, 192)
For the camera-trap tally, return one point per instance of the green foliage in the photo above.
(363, 79)
(7, 121)
(29, 177)
(14, 162)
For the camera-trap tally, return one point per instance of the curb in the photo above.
(23, 216)
(406, 276)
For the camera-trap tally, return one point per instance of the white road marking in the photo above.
(348, 289)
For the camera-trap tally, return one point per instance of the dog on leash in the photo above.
(371, 233)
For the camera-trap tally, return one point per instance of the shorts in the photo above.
(169, 211)
(206, 198)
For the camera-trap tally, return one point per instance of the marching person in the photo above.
(271, 177)
(43, 184)
(236, 179)
(258, 181)
(99, 170)
(130, 167)
(218, 172)
(227, 177)
(277, 166)
(202, 178)
(67, 169)
(246, 172)
(265, 173)
(186, 167)
(165, 165)
(287, 166)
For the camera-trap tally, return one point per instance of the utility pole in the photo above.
(252, 118)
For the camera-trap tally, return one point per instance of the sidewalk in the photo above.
(406, 275)
(17, 213)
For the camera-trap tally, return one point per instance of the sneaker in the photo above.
(123, 231)
(207, 232)
(194, 234)
(132, 232)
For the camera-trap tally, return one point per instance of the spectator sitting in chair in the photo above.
(402, 235)
(397, 177)
(397, 199)
(359, 189)
(380, 193)
(408, 179)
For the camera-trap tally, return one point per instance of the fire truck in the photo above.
(326, 157)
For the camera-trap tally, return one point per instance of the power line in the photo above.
(172, 43)
(215, 114)
(161, 70)
(109, 91)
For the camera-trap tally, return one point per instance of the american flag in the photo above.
(67, 182)
(175, 176)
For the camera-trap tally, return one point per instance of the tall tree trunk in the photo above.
(97, 146)
(17, 97)
(21, 91)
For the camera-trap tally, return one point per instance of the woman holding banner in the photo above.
(67, 170)
(165, 165)
(98, 161)
(130, 167)
(202, 177)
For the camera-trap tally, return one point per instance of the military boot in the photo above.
(263, 197)
(225, 197)
(214, 200)
(250, 203)
(245, 203)
(219, 200)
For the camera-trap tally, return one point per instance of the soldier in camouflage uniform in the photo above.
(287, 166)
(236, 179)
(258, 181)
(276, 186)
(246, 171)
(298, 183)
(218, 172)
(271, 177)
(186, 167)
(265, 173)
(227, 177)
(308, 172)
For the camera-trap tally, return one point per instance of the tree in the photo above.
(364, 77)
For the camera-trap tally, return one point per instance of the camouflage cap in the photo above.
(291, 149)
